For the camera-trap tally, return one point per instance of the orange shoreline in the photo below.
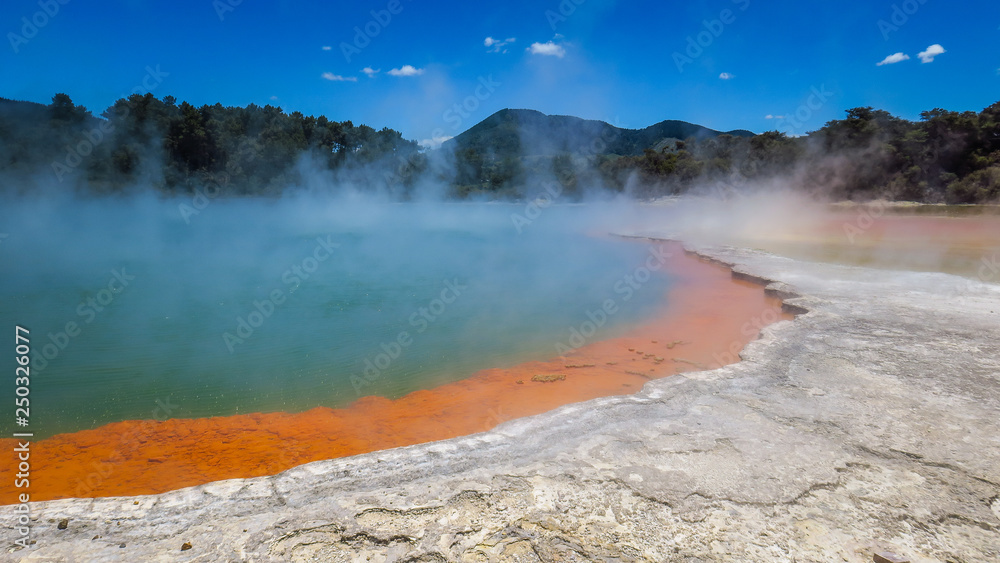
(706, 319)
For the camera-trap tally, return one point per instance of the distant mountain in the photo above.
(524, 132)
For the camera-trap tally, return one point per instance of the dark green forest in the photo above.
(143, 142)
(177, 148)
(947, 156)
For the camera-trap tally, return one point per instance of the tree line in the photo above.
(946, 156)
(177, 147)
(143, 141)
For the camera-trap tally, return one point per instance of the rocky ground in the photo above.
(869, 424)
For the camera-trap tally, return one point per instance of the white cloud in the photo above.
(274, 98)
(338, 78)
(726, 76)
(371, 72)
(498, 45)
(433, 142)
(931, 52)
(327, 47)
(548, 48)
(893, 59)
(406, 70)
(769, 116)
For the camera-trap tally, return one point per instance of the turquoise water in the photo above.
(262, 306)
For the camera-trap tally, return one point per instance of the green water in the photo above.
(263, 306)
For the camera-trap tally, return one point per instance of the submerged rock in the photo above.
(548, 378)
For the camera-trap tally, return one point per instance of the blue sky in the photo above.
(725, 64)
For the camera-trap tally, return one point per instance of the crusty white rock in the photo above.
(869, 424)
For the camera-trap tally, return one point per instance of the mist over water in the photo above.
(138, 304)
(255, 305)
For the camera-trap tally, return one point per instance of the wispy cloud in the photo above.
(338, 78)
(549, 48)
(433, 142)
(769, 116)
(498, 45)
(326, 47)
(726, 76)
(931, 52)
(371, 72)
(893, 59)
(406, 70)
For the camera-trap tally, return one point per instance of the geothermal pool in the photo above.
(253, 306)
(257, 336)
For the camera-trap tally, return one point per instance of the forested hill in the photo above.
(143, 142)
(177, 147)
(946, 156)
(524, 132)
